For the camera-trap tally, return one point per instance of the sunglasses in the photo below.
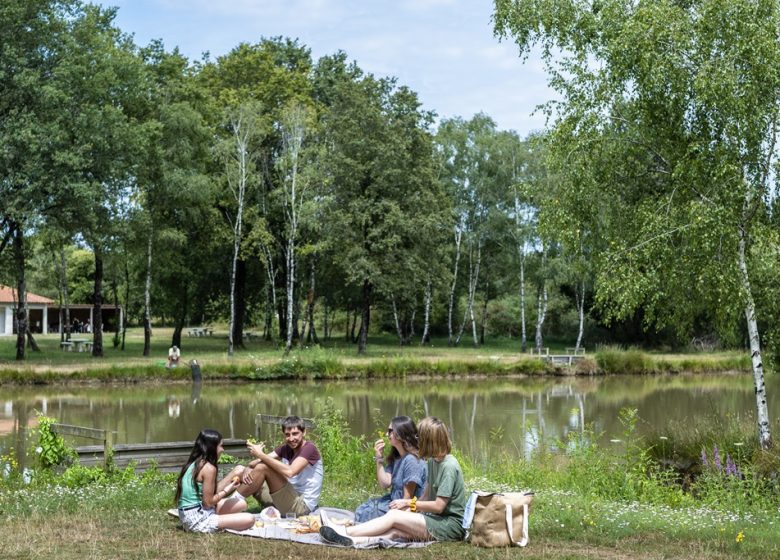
(389, 431)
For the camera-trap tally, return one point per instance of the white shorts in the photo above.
(199, 520)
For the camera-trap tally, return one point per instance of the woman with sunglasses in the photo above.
(402, 470)
(437, 516)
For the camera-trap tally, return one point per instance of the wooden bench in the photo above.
(576, 351)
(66, 346)
(540, 351)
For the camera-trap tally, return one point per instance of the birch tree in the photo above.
(246, 126)
(666, 137)
(295, 124)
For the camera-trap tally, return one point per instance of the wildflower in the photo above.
(740, 536)
(704, 458)
(730, 469)
(716, 458)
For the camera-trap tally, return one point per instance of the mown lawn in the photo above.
(213, 349)
(148, 533)
(337, 358)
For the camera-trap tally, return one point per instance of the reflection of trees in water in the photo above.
(486, 416)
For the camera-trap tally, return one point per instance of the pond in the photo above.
(486, 416)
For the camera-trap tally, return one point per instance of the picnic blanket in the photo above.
(289, 530)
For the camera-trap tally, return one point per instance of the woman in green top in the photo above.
(438, 515)
(203, 502)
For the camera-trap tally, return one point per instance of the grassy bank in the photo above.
(261, 360)
(590, 503)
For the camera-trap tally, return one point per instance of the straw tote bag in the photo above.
(500, 519)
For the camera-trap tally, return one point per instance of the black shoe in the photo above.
(330, 535)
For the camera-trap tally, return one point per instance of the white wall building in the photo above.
(45, 314)
(38, 307)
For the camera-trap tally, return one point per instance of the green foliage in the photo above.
(614, 360)
(50, 449)
(345, 457)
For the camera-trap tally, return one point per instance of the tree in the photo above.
(295, 125)
(271, 75)
(246, 126)
(173, 188)
(381, 185)
(104, 79)
(31, 157)
(666, 133)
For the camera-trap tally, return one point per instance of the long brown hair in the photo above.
(204, 451)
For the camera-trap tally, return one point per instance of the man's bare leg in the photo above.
(252, 483)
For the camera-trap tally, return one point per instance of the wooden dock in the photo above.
(168, 456)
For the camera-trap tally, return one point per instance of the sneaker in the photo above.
(330, 535)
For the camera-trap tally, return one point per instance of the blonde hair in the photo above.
(434, 438)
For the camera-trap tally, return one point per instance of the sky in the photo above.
(442, 49)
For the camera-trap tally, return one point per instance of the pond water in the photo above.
(486, 416)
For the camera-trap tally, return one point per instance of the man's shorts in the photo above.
(287, 499)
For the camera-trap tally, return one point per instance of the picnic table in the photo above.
(200, 331)
(81, 344)
(66, 346)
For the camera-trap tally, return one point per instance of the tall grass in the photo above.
(586, 495)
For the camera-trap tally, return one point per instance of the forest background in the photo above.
(310, 199)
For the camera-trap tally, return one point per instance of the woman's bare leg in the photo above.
(394, 523)
(232, 504)
(236, 521)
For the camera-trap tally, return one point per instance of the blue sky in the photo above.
(442, 49)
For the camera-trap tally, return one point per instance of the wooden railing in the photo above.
(167, 456)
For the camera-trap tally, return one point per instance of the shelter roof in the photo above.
(8, 295)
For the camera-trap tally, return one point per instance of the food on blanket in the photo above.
(259, 524)
(308, 524)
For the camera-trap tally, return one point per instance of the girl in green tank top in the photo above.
(203, 502)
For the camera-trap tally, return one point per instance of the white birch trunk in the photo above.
(580, 299)
(472, 295)
(148, 295)
(290, 261)
(241, 135)
(523, 333)
(271, 274)
(521, 253)
(458, 239)
(762, 412)
(473, 276)
(397, 323)
(541, 311)
(427, 313)
(294, 129)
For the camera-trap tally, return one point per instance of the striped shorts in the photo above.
(196, 519)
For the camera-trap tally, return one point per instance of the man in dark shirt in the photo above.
(293, 472)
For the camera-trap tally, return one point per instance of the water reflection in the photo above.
(486, 417)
